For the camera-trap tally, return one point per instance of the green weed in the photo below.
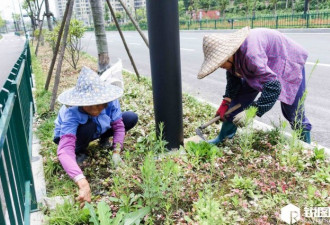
(151, 184)
(129, 203)
(151, 142)
(245, 184)
(67, 214)
(318, 154)
(202, 151)
(208, 210)
(322, 175)
(246, 136)
(103, 215)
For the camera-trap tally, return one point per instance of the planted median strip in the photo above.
(246, 180)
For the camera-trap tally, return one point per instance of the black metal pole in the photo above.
(164, 47)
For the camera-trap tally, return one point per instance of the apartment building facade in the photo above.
(82, 9)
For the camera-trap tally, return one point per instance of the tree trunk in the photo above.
(33, 20)
(101, 38)
(286, 4)
(39, 36)
(275, 7)
(57, 46)
(292, 5)
(48, 14)
(61, 56)
(134, 23)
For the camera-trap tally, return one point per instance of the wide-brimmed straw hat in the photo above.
(218, 48)
(89, 90)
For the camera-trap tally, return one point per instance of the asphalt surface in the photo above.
(11, 47)
(211, 88)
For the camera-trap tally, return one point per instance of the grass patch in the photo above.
(246, 185)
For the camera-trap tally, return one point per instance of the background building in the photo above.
(82, 10)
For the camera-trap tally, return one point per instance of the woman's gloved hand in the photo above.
(245, 117)
(116, 156)
(240, 119)
(223, 109)
(84, 192)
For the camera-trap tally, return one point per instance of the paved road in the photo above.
(11, 47)
(211, 88)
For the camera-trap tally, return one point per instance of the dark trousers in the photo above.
(85, 132)
(294, 113)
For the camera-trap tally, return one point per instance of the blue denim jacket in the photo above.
(69, 118)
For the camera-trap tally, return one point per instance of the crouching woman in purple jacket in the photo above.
(90, 111)
(258, 61)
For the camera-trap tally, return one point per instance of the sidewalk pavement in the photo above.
(11, 47)
(37, 218)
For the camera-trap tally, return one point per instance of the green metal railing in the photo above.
(312, 20)
(16, 111)
(309, 20)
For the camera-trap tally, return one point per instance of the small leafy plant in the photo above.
(203, 151)
(246, 136)
(151, 142)
(151, 182)
(103, 215)
(245, 184)
(129, 203)
(67, 214)
(208, 210)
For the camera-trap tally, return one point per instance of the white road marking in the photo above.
(319, 64)
(187, 49)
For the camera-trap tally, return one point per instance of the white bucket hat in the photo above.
(218, 48)
(89, 90)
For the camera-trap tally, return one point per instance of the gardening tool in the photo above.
(215, 119)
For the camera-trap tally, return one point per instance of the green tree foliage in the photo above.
(118, 15)
(187, 3)
(76, 32)
(33, 9)
(248, 7)
(181, 8)
(140, 14)
(73, 47)
(222, 4)
(2, 22)
(106, 14)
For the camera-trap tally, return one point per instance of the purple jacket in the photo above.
(268, 55)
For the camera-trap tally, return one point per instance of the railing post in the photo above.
(276, 21)
(232, 23)
(200, 24)
(307, 20)
(252, 22)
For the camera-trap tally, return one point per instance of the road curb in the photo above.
(37, 218)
